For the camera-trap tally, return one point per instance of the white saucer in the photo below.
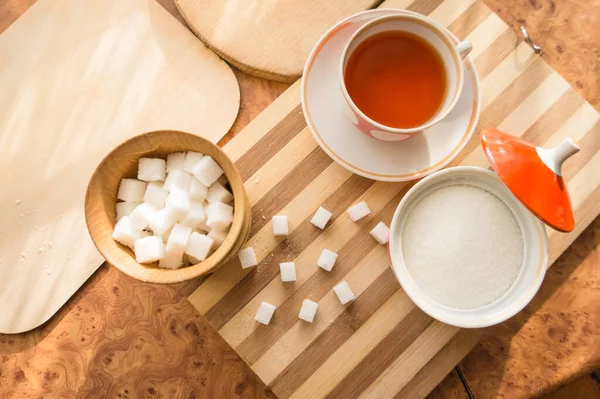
(327, 119)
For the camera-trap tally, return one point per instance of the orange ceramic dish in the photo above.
(533, 175)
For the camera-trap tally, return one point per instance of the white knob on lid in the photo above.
(554, 157)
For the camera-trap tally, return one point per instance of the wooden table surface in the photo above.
(106, 340)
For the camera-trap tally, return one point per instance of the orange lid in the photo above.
(533, 174)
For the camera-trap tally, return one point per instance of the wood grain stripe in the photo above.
(271, 143)
(410, 361)
(590, 145)
(448, 11)
(263, 123)
(554, 116)
(424, 7)
(301, 237)
(469, 20)
(382, 355)
(496, 52)
(441, 364)
(485, 34)
(348, 323)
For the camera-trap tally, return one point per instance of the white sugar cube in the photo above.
(265, 313)
(124, 232)
(327, 260)
(171, 260)
(131, 190)
(191, 160)
(219, 215)
(381, 233)
(217, 192)
(155, 194)
(161, 222)
(207, 170)
(176, 244)
(358, 211)
(151, 169)
(308, 310)
(178, 179)
(125, 208)
(195, 215)
(218, 237)
(280, 225)
(178, 203)
(343, 292)
(288, 271)
(148, 249)
(199, 246)
(198, 191)
(175, 161)
(166, 234)
(202, 225)
(141, 215)
(321, 217)
(247, 258)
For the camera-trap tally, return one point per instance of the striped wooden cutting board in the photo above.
(381, 345)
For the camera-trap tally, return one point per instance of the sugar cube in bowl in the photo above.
(123, 163)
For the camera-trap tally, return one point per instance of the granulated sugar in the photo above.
(462, 246)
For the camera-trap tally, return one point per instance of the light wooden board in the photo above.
(78, 78)
(266, 38)
(381, 345)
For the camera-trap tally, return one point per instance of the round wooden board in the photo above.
(269, 38)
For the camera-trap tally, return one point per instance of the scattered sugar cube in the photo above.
(265, 313)
(148, 249)
(125, 208)
(327, 260)
(217, 192)
(124, 232)
(381, 233)
(131, 190)
(199, 246)
(247, 258)
(219, 215)
(288, 271)
(175, 161)
(308, 310)
(161, 222)
(321, 217)
(358, 211)
(198, 191)
(191, 160)
(218, 237)
(151, 169)
(178, 203)
(280, 225)
(195, 215)
(178, 179)
(141, 215)
(343, 292)
(207, 170)
(155, 194)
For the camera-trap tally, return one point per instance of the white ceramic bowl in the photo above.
(535, 258)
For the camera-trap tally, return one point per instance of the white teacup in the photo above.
(434, 34)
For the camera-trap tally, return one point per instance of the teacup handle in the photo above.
(464, 48)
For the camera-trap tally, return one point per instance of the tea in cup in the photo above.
(400, 75)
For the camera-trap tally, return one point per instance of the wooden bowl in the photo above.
(101, 198)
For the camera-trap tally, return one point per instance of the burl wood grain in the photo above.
(120, 338)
